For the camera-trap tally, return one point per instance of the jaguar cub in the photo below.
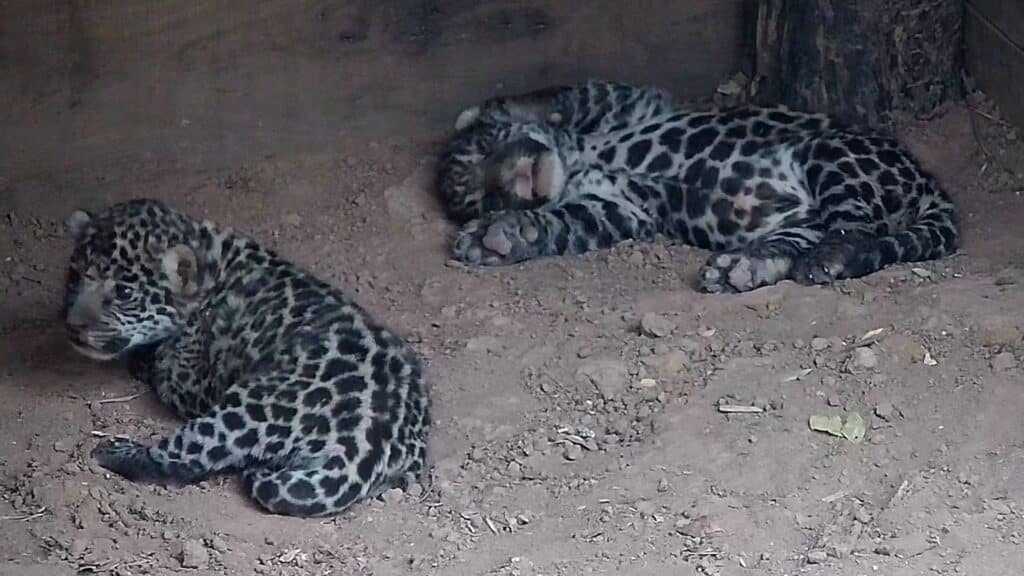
(775, 194)
(282, 377)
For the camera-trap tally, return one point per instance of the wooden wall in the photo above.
(210, 83)
(995, 52)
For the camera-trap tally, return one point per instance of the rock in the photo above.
(865, 358)
(393, 496)
(862, 516)
(194, 554)
(610, 377)
(514, 469)
(833, 399)
(695, 528)
(218, 544)
(655, 326)
(817, 557)
(910, 545)
(572, 452)
(819, 344)
(293, 220)
(884, 410)
(1004, 361)
(60, 446)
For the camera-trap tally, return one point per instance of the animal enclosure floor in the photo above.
(578, 401)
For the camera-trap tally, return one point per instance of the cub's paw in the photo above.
(501, 238)
(128, 459)
(731, 272)
(727, 274)
(825, 264)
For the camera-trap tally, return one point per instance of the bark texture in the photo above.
(859, 59)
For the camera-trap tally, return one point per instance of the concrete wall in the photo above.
(207, 84)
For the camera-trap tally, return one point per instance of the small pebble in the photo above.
(514, 469)
(1004, 361)
(194, 554)
(572, 452)
(393, 496)
(218, 544)
(655, 326)
(884, 410)
(819, 344)
(817, 557)
(865, 357)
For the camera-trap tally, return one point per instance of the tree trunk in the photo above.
(859, 59)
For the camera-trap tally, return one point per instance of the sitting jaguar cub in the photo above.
(776, 194)
(281, 376)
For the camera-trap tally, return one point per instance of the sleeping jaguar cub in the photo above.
(776, 194)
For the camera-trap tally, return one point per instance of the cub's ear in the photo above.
(467, 117)
(77, 223)
(182, 270)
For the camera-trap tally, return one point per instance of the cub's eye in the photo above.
(123, 292)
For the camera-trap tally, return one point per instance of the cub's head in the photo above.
(131, 270)
(525, 171)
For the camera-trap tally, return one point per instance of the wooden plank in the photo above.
(995, 60)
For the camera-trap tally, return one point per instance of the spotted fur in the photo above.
(776, 194)
(282, 377)
(502, 136)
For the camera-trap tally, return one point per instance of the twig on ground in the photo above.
(116, 400)
(26, 517)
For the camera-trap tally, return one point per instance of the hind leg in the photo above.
(766, 261)
(306, 491)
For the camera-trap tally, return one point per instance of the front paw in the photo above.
(128, 459)
(141, 362)
(501, 238)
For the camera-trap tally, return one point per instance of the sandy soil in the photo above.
(578, 400)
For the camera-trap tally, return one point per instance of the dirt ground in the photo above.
(579, 401)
